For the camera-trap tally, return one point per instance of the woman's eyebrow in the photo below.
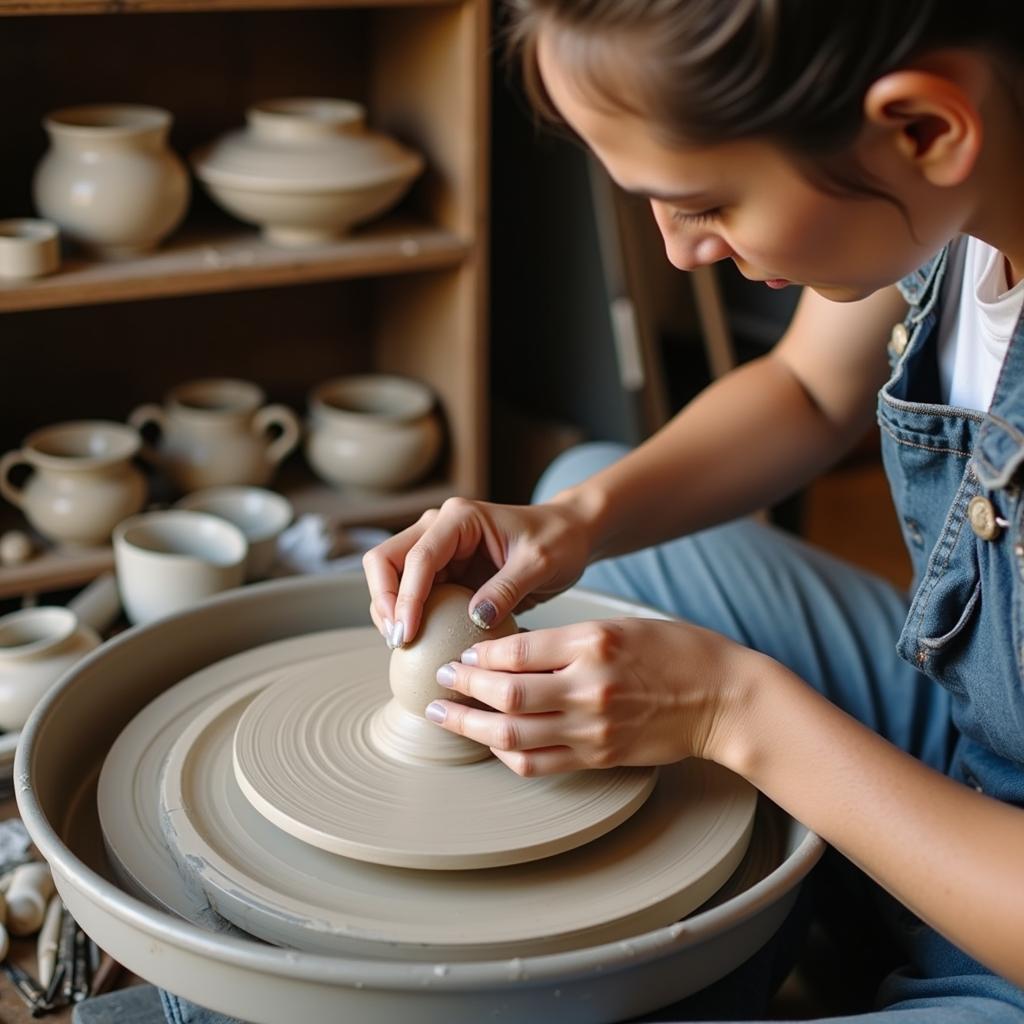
(670, 197)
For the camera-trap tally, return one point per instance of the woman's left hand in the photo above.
(596, 694)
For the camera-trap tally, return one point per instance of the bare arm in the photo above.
(950, 854)
(752, 437)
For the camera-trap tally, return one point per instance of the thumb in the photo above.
(504, 591)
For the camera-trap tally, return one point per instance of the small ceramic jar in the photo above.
(109, 179)
(28, 248)
(37, 646)
(82, 480)
(373, 431)
(217, 433)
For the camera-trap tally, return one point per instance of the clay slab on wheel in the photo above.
(306, 757)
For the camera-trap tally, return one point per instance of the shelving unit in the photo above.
(405, 294)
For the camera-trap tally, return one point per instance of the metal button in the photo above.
(983, 518)
(898, 339)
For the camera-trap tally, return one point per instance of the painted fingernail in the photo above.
(397, 634)
(388, 627)
(469, 657)
(446, 675)
(435, 712)
(484, 614)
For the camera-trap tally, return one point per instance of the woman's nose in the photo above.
(689, 247)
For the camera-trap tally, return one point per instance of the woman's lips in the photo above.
(778, 282)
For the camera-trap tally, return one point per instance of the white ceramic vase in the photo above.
(37, 646)
(109, 179)
(306, 169)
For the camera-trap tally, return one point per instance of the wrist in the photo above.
(748, 711)
(588, 505)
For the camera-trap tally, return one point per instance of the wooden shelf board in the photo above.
(68, 568)
(197, 261)
(58, 7)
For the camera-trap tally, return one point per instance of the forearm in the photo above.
(950, 854)
(748, 440)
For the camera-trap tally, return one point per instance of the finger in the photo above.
(495, 730)
(508, 588)
(546, 761)
(382, 567)
(383, 625)
(538, 650)
(451, 534)
(515, 693)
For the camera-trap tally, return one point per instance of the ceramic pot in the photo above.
(217, 432)
(83, 481)
(37, 646)
(373, 431)
(306, 170)
(28, 248)
(109, 179)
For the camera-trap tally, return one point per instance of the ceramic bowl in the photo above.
(262, 515)
(373, 431)
(28, 248)
(306, 170)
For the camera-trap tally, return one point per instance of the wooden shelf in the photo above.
(195, 261)
(67, 568)
(35, 7)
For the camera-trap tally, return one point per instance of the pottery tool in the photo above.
(46, 944)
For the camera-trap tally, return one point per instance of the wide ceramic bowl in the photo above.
(70, 732)
(306, 170)
(374, 432)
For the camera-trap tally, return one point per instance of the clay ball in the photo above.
(445, 632)
(16, 548)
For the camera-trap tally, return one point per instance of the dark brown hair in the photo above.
(794, 72)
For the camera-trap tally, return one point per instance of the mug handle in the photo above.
(145, 416)
(15, 495)
(286, 421)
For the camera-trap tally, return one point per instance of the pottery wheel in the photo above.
(667, 859)
(305, 756)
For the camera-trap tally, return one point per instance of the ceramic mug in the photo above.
(260, 514)
(218, 432)
(373, 431)
(82, 481)
(37, 645)
(166, 561)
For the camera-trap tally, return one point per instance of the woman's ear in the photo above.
(934, 120)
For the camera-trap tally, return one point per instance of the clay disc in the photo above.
(304, 756)
(673, 854)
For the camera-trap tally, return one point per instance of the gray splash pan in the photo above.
(70, 732)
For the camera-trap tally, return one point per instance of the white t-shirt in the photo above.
(979, 314)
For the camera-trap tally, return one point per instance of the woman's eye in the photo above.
(704, 217)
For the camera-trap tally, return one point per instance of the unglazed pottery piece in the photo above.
(217, 432)
(260, 514)
(28, 248)
(68, 736)
(83, 480)
(37, 646)
(109, 179)
(168, 560)
(373, 431)
(666, 859)
(304, 756)
(306, 169)
(399, 730)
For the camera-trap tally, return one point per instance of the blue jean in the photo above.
(837, 628)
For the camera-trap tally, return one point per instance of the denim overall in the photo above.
(941, 678)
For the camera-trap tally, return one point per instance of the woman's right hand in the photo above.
(511, 556)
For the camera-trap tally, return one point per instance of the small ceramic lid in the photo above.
(306, 144)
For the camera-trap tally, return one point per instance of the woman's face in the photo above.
(748, 202)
